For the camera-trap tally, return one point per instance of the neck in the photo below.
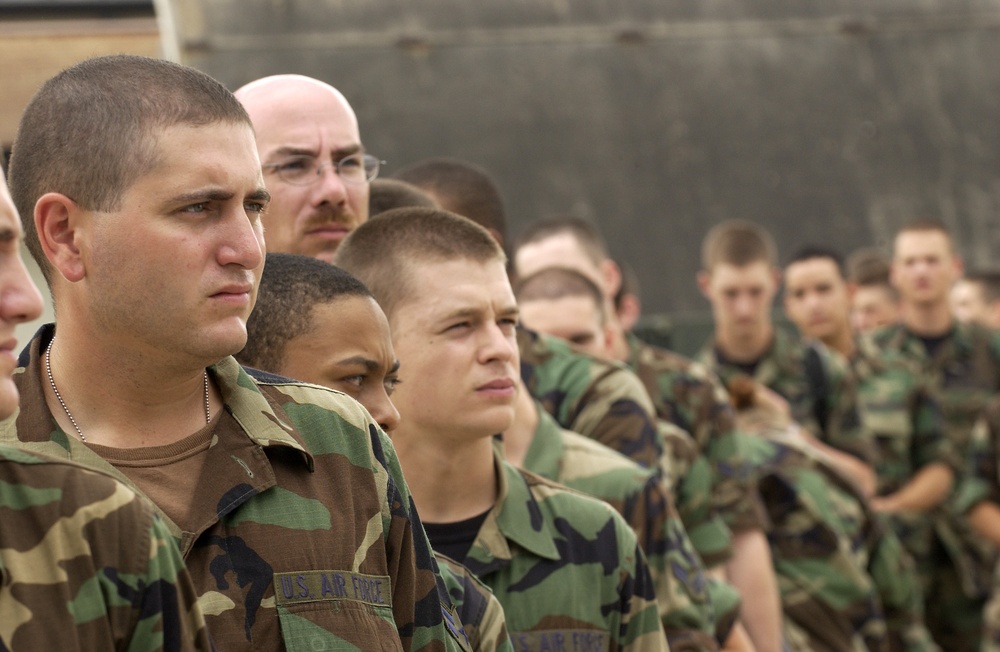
(842, 342)
(518, 437)
(434, 468)
(744, 347)
(135, 404)
(929, 319)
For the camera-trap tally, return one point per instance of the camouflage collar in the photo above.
(546, 449)
(258, 418)
(515, 518)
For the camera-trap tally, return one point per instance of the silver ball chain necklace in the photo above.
(52, 381)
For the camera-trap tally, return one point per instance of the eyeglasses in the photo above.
(306, 170)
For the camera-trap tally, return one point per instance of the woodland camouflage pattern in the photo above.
(688, 395)
(567, 569)
(642, 498)
(982, 484)
(830, 413)
(597, 399)
(907, 426)
(846, 582)
(87, 565)
(962, 376)
(480, 611)
(308, 537)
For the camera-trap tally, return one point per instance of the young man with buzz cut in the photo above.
(142, 194)
(915, 463)
(878, 592)
(714, 495)
(567, 568)
(961, 363)
(875, 303)
(817, 298)
(976, 298)
(316, 323)
(86, 563)
(740, 278)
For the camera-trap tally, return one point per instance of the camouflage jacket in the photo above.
(86, 564)
(480, 611)
(690, 396)
(307, 536)
(567, 569)
(818, 386)
(962, 377)
(640, 495)
(597, 399)
(900, 412)
(846, 582)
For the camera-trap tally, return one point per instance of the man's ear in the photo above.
(611, 274)
(57, 218)
(704, 279)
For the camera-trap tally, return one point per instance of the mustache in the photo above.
(329, 215)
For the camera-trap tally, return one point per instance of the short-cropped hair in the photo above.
(291, 286)
(868, 266)
(738, 243)
(811, 252)
(90, 131)
(381, 251)
(460, 187)
(554, 283)
(387, 194)
(926, 224)
(584, 232)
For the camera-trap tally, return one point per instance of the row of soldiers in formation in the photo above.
(778, 493)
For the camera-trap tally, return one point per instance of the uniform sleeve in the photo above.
(480, 611)
(930, 445)
(895, 577)
(640, 628)
(616, 411)
(980, 482)
(842, 428)
(425, 618)
(170, 619)
(677, 571)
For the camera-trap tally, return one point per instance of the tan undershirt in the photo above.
(158, 470)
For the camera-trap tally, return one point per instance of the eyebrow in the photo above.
(217, 195)
(509, 311)
(11, 235)
(369, 364)
(300, 151)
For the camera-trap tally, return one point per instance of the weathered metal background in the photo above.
(828, 122)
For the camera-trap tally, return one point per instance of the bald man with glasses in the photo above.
(314, 164)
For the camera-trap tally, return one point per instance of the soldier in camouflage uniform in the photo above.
(739, 277)
(960, 366)
(87, 564)
(536, 443)
(317, 323)
(563, 291)
(84, 563)
(846, 581)
(979, 497)
(915, 462)
(288, 501)
(567, 569)
(598, 399)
